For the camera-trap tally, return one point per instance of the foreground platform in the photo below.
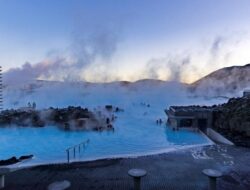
(175, 170)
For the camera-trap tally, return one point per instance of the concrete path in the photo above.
(175, 170)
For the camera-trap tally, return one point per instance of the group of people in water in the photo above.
(33, 105)
(159, 121)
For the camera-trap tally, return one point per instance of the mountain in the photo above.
(227, 81)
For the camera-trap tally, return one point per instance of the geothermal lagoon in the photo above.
(135, 130)
(131, 138)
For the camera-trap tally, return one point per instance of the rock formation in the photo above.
(71, 118)
(232, 119)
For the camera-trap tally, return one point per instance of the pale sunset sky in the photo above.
(107, 40)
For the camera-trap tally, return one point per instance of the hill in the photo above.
(227, 81)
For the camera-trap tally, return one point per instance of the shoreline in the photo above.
(113, 157)
(164, 171)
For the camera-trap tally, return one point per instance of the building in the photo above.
(190, 116)
(1, 90)
(246, 93)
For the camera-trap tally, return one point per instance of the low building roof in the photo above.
(190, 108)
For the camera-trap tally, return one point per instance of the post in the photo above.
(79, 149)
(212, 176)
(1, 181)
(137, 183)
(212, 183)
(74, 152)
(137, 174)
(67, 155)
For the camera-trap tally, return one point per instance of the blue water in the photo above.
(136, 133)
(49, 144)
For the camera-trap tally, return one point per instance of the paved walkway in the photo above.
(174, 170)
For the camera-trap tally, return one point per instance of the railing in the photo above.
(80, 146)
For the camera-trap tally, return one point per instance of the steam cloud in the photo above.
(168, 68)
(179, 66)
(216, 45)
(86, 49)
(92, 51)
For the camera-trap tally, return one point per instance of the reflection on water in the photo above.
(184, 136)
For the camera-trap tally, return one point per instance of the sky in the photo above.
(108, 40)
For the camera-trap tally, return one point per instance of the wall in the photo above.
(215, 136)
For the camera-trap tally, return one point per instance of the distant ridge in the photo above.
(147, 82)
(228, 80)
(225, 82)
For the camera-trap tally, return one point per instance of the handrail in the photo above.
(74, 149)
